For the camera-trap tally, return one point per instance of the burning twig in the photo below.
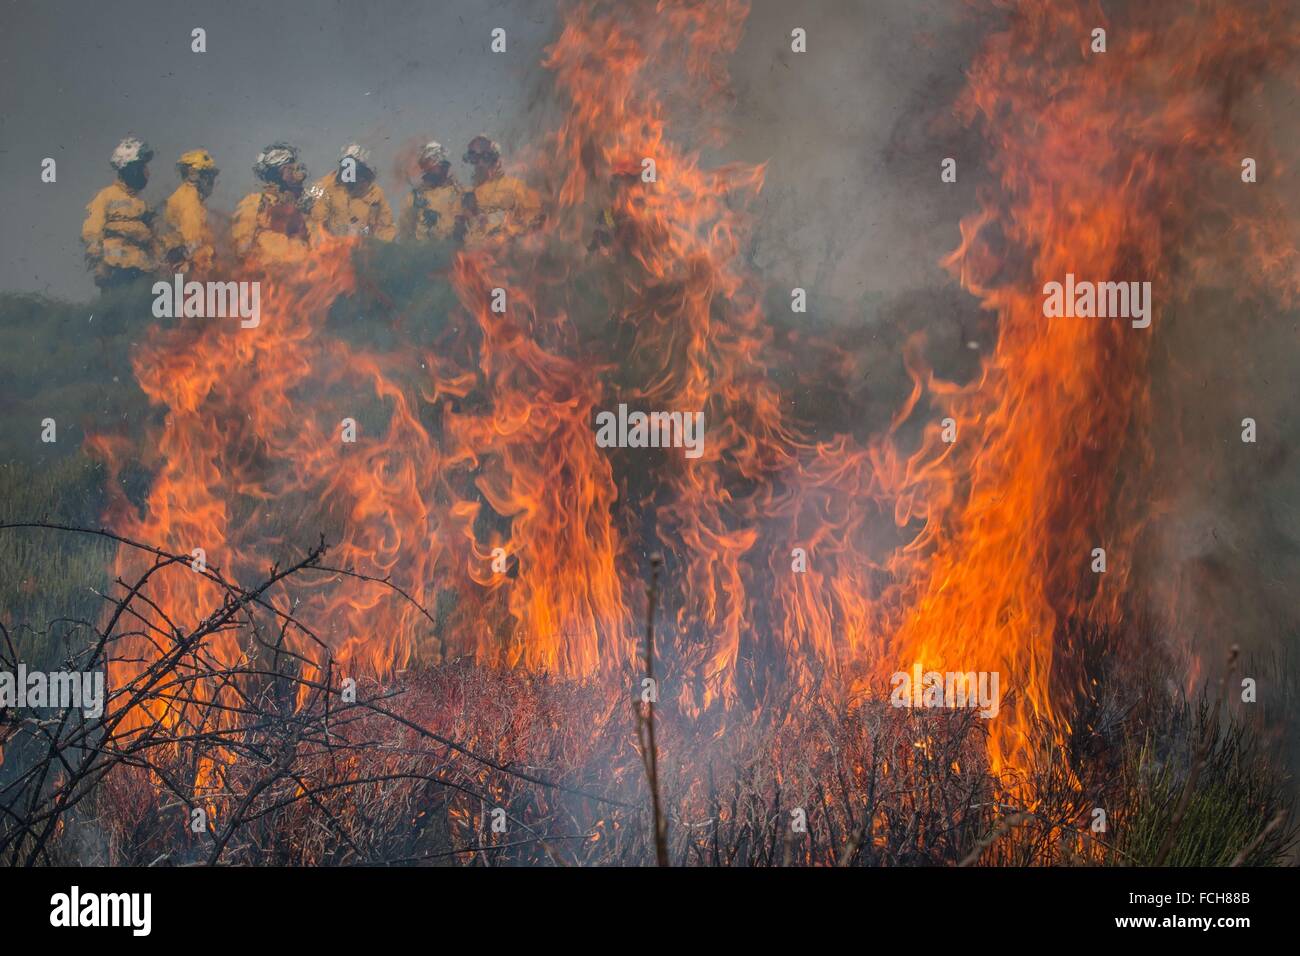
(189, 723)
(1005, 825)
(646, 717)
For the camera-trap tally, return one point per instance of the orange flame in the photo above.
(969, 556)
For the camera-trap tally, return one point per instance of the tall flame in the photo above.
(965, 556)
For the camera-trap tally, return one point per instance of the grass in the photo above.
(1240, 790)
(71, 363)
(48, 578)
(878, 786)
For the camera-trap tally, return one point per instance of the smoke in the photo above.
(1225, 512)
(853, 132)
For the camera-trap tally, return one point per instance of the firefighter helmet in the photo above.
(199, 160)
(131, 150)
(274, 157)
(434, 152)
(357, 153)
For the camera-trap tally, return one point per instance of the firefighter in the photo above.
(273, 223)
(499, 205)
(118, 231)
(433, 210)
(186, 238)
(348, 201)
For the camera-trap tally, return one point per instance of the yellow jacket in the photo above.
(118, 230)
(271, 224)
(186, 239)
(429, 212)
(505, 206)
(338, 211)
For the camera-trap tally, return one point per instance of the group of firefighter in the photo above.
(127, 240)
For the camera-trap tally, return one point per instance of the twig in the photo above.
(1254, 844)
(646, 719)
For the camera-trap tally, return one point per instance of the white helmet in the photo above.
(273, 157)
(131, 150)
(435, 151)
(357, 153)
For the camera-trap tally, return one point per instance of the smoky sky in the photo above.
(833, 216)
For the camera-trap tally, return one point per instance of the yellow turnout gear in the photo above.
(118, 231)
(186, 238)
(270, 224)
(505, 206)
(343, 212)
(429, 212)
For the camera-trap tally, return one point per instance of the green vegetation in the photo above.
(48, 578)
(1239, 793)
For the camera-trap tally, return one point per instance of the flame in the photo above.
(249, 456)
(1093, 157)
(964, 556)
